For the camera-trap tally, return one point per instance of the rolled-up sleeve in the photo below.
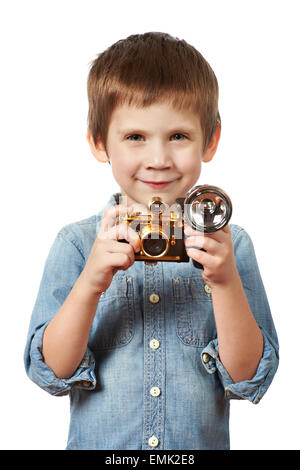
(254, 389)
(62, 268)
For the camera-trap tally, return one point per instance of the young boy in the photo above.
(151, 353)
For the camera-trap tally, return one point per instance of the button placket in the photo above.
(154, 357)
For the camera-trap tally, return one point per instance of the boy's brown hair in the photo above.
(146, 68)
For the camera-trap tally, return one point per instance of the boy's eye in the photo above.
(178, 136)
(135, 137)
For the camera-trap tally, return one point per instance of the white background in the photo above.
(49, 178)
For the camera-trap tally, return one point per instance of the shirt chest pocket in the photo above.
(113, 325)
(195, 322)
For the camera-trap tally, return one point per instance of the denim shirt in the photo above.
(151, 377)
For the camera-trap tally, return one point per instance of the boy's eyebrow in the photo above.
(129, 130)
(137, 129)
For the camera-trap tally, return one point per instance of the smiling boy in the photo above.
(156, 144)
(151, 353)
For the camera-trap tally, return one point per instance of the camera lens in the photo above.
(154, 246)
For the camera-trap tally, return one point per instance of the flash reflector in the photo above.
(207, 208)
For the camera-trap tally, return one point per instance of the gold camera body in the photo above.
(205, 208)
(161, 233)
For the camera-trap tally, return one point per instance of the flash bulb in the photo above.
(207, 208)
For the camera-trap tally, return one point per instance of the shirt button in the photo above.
(155, 391)
(207, 289)
(206, 358)
(86, 383)
(154, 298)
(154, 344)
(153, 441)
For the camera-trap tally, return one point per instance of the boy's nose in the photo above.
(158, 158)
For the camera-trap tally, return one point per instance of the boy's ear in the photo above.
(97, 149)
(212, 146)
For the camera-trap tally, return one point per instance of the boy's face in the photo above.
(154, 151)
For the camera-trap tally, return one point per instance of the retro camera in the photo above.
(205, 208)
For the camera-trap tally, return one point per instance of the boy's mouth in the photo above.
(157, 184)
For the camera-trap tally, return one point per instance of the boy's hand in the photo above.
(108, 255)
(218, 260)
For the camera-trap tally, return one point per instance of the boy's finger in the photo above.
(188, 230)
(200, 256)
(116, 247)
(111, 215)
(219, 235)
(226, 229)
(123, 232)
(208, 244)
